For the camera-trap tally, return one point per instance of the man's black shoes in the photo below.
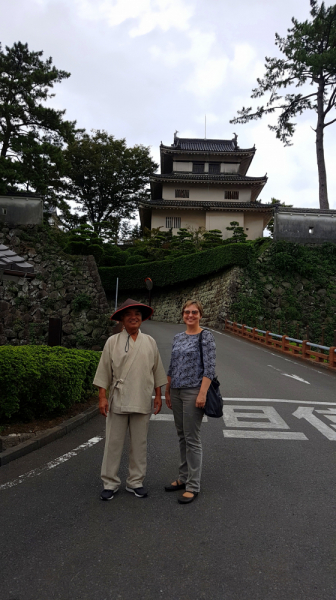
(108, 494)
(138, 492)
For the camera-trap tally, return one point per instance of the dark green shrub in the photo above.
(39, 381)
(81, 302)
(114, 257)
(175, 270)
(136, 259)
(75, 247)
(96, 251)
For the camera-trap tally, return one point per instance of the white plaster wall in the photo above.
(178, 165)
(229, 167)
(219, 220)
(211, 220)
(189, 218)
(205, 193)
(255, 225)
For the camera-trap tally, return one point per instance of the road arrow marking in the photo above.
(306, 412)
(296, 377)
(287, 375)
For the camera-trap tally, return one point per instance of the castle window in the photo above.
(214, 167)
(198, 167)
(173, 222)
(231, 195)
(181, 193)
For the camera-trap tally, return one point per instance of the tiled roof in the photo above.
(206, 204)
(205, 145)
(313, 211)
(9, 260)
(206, 177)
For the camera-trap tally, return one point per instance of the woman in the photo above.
(186, 392)
(130, 365)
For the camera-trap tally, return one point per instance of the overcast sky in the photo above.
(141, 69)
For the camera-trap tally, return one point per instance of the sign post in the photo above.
(116, 295)
(149, 285)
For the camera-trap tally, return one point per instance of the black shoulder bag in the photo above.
(214, 401)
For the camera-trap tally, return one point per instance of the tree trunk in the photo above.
(322, 174)
(5, 143)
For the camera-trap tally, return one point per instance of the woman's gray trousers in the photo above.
(188, 419)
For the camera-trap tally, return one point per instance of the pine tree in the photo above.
(32, 135)
(238, 234)
(309, 60)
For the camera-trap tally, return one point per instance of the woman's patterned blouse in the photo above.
(185, 367)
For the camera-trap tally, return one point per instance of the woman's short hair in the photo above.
(196, 302)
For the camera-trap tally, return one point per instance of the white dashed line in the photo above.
(265, 435)
(52, 464)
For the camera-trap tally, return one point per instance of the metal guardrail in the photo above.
(302, 348)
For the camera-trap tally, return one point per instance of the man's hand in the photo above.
(103, 406)
(168, 399)
(157, 404)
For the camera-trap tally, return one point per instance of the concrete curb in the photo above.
(49, 436)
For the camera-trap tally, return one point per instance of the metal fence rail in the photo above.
(313, 352)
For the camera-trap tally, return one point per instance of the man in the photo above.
(131, 367)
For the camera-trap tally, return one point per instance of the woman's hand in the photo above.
(168, 400)
(201, 399)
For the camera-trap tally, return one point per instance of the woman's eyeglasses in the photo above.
(191, 312)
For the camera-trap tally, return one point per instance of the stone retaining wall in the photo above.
(64, 286)
(216, 293)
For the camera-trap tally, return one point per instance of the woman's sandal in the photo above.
(175, 488)
(186, 500)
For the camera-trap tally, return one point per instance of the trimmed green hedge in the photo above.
(39, 381)
(178, 270)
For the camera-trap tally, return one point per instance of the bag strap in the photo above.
(201, 348)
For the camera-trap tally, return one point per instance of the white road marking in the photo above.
(330, 414)
(287, 375)
(271, 400)
(306, 412)
(296, 377)
(272, 419)
(52, 464)
(163, 417)
(265, 435)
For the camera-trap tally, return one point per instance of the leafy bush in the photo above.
(135, 259)
(40, 381)
(113, 257)
(81, 302)
(175, 270)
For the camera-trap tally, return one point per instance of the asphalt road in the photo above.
(262, 528)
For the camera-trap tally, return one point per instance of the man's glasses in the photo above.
(191, 312)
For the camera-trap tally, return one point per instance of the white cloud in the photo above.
(149, 14)
(142, 68)
(246, 63)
